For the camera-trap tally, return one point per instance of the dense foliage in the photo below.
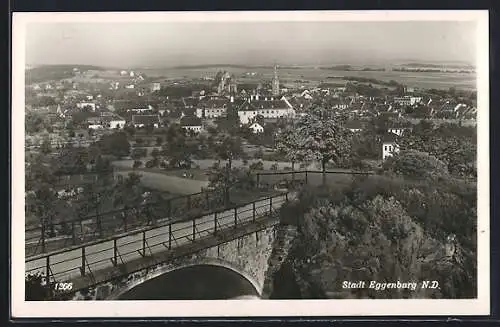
(386, 228)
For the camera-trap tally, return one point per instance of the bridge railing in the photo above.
(50, 236)
(85, 260)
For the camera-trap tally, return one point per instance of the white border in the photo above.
(72, 309)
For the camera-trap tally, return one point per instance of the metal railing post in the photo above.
(43, 235)
(169, 236)
(115, 253)
(125, 223)
(194, 229)
(286, 196)
(98, 218)
(143, 243)
(270, 204)
(47, 270)
(215, 223)
(73, 236)
(306, 176)
(258, 179)
(235, 217)
(253, 211)
(82, 268)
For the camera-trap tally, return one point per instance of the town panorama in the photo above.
(377, 164)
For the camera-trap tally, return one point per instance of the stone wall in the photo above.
(283, 242)
(248, 256)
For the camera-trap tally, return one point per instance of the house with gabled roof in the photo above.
(212, 108)
(146, 120)
(268, 109)
(191, 123)
(354, 126)
(256, 128)
(389, 145)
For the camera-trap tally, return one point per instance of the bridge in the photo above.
(238, 238)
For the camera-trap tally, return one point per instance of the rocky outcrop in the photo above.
(283, 242)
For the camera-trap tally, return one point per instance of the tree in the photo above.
(375, 229)
(286, 144)
(321, 136)
(71, 160)
(228, 148)
(416, 164)
(155, 153)
(115, 144)
(36, 288)
(46, 147)
(259, 154)
(177, 149)
(103, 169)
(138, 153)
(128, 191)
(454, 145)
(34, 123)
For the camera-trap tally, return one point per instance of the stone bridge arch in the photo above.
(247, 256)
(166, 269)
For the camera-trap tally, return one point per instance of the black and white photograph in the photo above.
(250, 163)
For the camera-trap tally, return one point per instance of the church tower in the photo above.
(276, 82)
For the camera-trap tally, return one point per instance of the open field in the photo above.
(425, 80)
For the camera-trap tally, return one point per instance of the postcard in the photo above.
(229, 164)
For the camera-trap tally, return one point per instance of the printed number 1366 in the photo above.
(63, 286)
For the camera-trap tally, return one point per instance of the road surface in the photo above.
(65, 266)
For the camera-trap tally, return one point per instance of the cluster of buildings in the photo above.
(253, 107)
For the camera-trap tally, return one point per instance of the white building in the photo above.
(106, 122)
(256, 128)
(142, 109)
(191, 123)
(211, 108)
(82, 105)
(156, 87)
(389, 146)
(140, 121)
(117, 123)
(268, 109)
(407, 100)
(399, 131)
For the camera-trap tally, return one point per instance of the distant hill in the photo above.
(55, 72)
(441, 66)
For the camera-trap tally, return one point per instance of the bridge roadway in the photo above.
(98, 256)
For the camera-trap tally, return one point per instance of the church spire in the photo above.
(276, 81)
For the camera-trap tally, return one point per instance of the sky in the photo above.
(249, 43)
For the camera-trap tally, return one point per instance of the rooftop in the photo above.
(146, 119)
(190, 121)
(263, 104)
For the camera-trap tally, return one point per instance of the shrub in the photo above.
(138, 153)
(274, 166)
(137, 164)
(257, 165)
